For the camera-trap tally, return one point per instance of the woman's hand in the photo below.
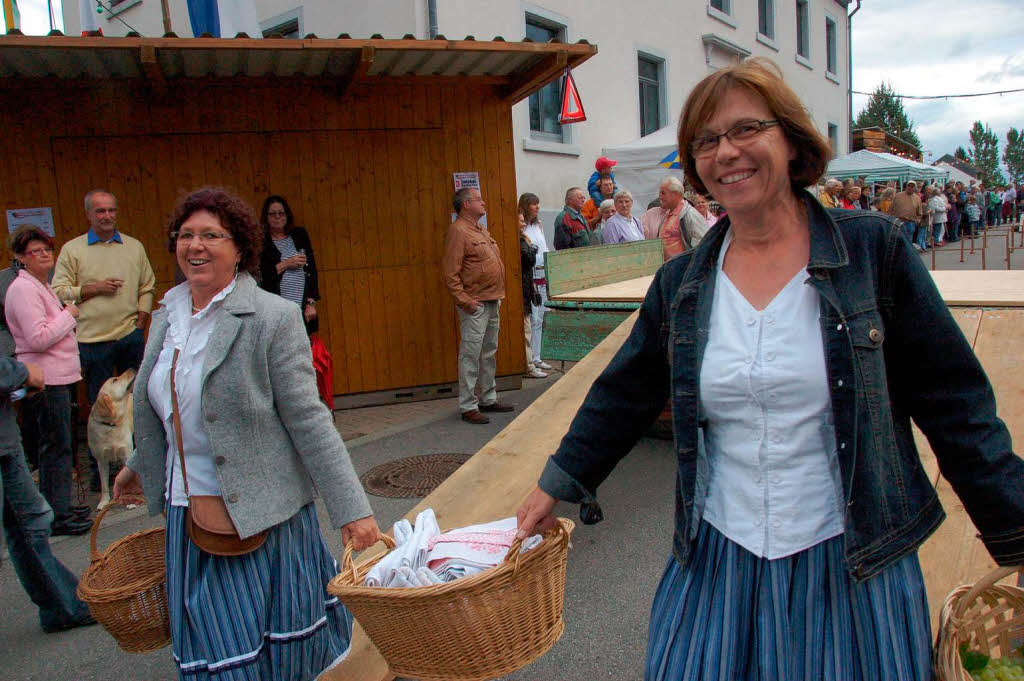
(362, 533)
(309, 313)
(536, 513)
(127, 482)
(72, 310)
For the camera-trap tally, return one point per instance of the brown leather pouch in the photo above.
(207, 520)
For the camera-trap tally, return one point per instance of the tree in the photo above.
(885, 110)
(1013, 154)
(962, 154)
(985, 152)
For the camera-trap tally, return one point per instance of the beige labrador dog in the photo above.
(110, 428)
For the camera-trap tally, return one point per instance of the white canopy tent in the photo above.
(880, 167)
(644, 163)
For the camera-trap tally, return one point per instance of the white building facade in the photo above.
(651, 53)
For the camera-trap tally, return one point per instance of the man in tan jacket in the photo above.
(906, 207)
(475, 276)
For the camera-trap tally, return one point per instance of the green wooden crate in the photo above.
(575, 269)
(573, 329)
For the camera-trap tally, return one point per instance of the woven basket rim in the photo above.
(341, 585)
(96, 594)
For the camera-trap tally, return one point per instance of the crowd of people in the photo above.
(932, 214)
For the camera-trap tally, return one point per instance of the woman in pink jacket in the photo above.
(44, 335)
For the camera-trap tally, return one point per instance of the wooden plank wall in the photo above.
(369, 174)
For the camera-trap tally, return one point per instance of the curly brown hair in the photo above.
(26, 234)
(235, 215)
(763, 78)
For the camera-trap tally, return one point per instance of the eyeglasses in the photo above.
(276, 214)
(205, 238)
(36, 252)
(739, 134)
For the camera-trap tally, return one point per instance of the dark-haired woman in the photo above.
(796, 343)
(254, 433)
(287, 263)
(44, 335)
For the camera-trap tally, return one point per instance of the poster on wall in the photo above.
(468, 180)
(38, 217)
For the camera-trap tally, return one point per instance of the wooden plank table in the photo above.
(959, 288)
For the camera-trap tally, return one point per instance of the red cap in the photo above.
(604, 163)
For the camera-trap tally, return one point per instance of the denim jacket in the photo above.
(893, 353)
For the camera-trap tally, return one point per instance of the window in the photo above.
(546, 104)
(286, 25)
(766, 18)
(803, 29)
(650, 70)
(830, 45)
(833, 138)
(723, 6)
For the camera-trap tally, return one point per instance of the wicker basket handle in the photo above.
(989, 580)
(124, 500)
(514, 551)
(349, 564)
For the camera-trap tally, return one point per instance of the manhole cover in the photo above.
(415, 476)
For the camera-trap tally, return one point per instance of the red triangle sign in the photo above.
(572, 106)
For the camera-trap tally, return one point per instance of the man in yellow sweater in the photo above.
(108, 276)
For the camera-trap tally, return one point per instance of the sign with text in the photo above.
(37, 217)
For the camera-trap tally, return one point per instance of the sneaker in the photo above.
(535, 373)
(941, 243)
(918, 248)
(541, 364)
(497, 406)
(474, 416)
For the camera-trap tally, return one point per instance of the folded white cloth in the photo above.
(411, 547)
(468, 550)
(423, 556)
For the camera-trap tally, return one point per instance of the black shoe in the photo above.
(497, 406)
(81, 512)
(70, 528)
(81, 621)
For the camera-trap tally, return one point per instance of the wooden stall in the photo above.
(361, 136)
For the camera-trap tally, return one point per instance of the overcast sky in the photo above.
(937, 47)
(944, 47)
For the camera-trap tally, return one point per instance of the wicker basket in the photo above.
(475, 628)
(987, 616)
(126, 586)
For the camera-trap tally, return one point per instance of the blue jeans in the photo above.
(27, 517)
(100, 361)
(909, 229)
(51, 412)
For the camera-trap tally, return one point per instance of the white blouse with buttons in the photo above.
(190, 334)
(774, 484)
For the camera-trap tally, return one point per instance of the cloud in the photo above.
(1012, 67)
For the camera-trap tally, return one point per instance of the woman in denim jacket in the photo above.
(796, 344)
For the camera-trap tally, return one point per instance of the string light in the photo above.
(972, 94)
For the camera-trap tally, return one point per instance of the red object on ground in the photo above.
(324, 366)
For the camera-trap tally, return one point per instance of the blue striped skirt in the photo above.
(729, 615)
(258, 617)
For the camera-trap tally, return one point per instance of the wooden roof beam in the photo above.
(537, 77)
(151, 66)
(366, 57)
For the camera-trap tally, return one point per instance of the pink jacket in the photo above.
(44, 332)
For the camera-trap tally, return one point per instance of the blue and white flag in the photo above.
(224, 18)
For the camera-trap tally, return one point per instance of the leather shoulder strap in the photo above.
(176, 417)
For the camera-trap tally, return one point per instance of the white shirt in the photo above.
(190, 334)
(535, 233)
(774, 484)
